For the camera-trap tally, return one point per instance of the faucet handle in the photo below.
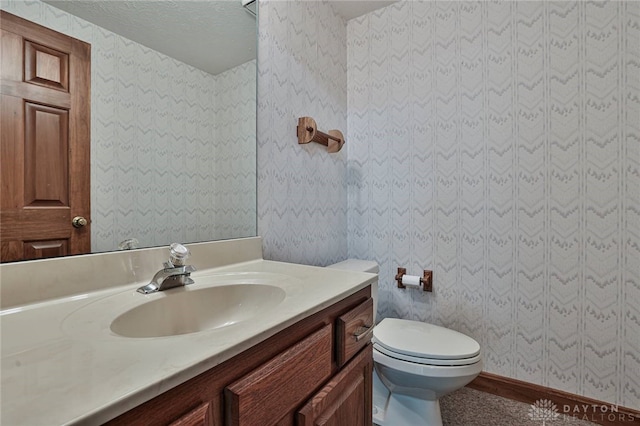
(178, 254)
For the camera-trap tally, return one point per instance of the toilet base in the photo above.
(390, 409)
(404, 411)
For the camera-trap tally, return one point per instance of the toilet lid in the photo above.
(422, 340)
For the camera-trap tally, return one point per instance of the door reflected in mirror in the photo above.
(173, 147)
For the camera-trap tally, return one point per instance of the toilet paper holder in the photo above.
(426, 281)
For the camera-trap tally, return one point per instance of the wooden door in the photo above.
(346, 399)
(45, 142)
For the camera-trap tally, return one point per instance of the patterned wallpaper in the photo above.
(498, 143)
(302, 190)
(169, 142)
(234, 197)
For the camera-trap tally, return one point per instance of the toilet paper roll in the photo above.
(411, 281)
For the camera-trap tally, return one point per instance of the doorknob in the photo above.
(79, 222)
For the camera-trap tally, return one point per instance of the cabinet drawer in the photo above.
(276, 388)
(353, 331)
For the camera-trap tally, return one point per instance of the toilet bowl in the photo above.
(415, 364)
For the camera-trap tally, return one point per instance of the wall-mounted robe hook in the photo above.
(308, 132)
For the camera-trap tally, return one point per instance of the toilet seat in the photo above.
(382, 360)
(427, 361)
(423, 343)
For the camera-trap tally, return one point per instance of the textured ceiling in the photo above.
(350, 9)
(212, 35)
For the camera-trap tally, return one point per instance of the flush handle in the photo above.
(79, 222)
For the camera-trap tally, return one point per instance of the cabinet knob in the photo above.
(79, 222)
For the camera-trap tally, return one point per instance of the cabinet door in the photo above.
(346, 399)
(275, 389)
(200, 416)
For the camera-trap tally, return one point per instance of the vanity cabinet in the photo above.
(312, 373)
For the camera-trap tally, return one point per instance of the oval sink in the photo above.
(186, 310)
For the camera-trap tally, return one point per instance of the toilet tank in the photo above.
(362, 266)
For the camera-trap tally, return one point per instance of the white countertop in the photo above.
(62, 364)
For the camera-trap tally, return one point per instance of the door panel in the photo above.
(46, 156)
(42, 249)
(45, 143)
(46, 67)
(11, 154)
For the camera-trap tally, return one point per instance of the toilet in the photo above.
(415, 364)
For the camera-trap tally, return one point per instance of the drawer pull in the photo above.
(362, 332)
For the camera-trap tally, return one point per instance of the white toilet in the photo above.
(415, 364)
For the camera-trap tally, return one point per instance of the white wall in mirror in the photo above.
(173, 148)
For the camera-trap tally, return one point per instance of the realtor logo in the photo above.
(543, 410)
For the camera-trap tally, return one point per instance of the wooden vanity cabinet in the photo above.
(308, 374)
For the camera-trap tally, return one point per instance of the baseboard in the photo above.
(566, 404)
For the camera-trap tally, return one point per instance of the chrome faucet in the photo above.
(174, 274)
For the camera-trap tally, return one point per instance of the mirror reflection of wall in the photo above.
(172, 147)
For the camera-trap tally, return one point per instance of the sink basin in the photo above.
(185, 310)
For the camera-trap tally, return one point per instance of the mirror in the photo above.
(173, 117)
